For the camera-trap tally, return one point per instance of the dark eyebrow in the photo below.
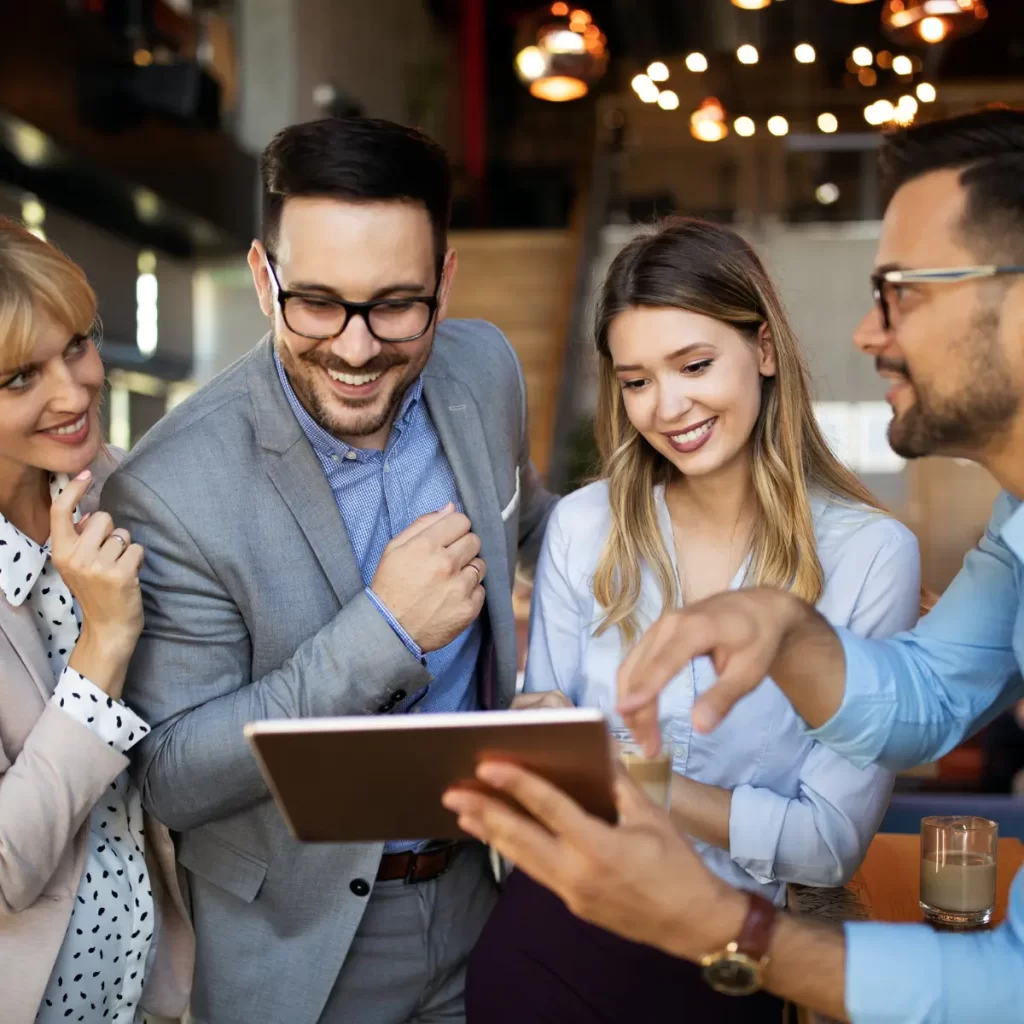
(398, 289)
(629, 367)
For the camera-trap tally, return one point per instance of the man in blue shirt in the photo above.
(948, 330)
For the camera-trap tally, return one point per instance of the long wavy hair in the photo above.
(704, 268)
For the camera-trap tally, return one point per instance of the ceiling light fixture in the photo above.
(931, 21)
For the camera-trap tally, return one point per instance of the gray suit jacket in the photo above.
(255, 609)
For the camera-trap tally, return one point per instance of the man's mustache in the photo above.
(381, 362)
(892, 366)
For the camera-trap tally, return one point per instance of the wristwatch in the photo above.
(738, 970)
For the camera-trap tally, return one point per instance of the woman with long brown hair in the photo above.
(714, 475)
(92, 924)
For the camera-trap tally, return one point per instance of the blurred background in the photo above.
(130, 132)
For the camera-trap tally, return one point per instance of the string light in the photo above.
(862, 57)
(827, 193)
(668, 100)
(828, 123)
(932, 30)
(696, 62)
(707, 122)
(901, 65)
(747, 54)
(645, 89)
(926, 92)
(778, 125)
(744, 126)
(804, 53)
(657, 72)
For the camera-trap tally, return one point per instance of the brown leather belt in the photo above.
(417, 867)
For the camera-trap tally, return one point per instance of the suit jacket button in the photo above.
(398, 695)
(359, 887)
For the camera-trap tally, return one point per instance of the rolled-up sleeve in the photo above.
(909, 974)
(818, 837)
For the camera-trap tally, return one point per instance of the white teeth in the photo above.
(354, 379)
(73, 429)
(693, 435)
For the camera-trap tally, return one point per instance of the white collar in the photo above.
(22, 560)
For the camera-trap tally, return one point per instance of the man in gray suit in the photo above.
(318, 522)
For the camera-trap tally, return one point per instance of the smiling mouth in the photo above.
(69, 429)
(355, 380)
(694, 433)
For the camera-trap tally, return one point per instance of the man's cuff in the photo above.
(411, 645)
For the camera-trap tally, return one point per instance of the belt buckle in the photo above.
(410, 873)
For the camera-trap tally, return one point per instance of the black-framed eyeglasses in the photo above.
(885, 285)
(321, 318)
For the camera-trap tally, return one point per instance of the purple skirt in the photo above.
(537, 963)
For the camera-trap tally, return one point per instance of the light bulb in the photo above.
(902, 65)
(744, 126)
(696, 62)
(747, 54)
(778, 125)
(862, 57)
(926, 92)
(657, 72)
(804, 53)
(828, 123)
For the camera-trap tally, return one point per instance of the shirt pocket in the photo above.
(222, 864)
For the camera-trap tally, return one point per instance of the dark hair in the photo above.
(988, 147)
(359, 160)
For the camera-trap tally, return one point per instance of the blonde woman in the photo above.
(715, 475)
(88, 930)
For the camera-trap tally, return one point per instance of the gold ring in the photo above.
(479, 574)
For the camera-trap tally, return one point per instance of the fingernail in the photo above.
(454, 801)
(84, 475)
(493, 774)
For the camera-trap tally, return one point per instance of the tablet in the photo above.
(381, 777)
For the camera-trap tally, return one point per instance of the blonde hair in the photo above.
(37, 279)
(703, 268)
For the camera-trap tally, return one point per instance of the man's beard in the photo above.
(345, 417)
(983, 409)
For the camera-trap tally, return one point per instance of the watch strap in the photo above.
(755, 936)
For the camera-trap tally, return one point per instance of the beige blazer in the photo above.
(52, 771)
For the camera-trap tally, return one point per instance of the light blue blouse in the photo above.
(800, 812)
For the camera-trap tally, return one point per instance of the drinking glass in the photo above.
(958, 870)
(652, 774)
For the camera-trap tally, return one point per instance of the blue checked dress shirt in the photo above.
(379, 494)
(912, 699)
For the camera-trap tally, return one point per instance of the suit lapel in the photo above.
(457, 421)
(20, 630)
(300, 480)
(296, 472)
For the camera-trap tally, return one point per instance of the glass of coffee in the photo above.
(652, 774)
(958, 870)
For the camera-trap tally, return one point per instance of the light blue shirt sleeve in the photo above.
(909, 974)
(911, 699)
(820, 836)
(411, 645)
(556, 624)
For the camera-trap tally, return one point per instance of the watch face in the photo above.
(733, 974)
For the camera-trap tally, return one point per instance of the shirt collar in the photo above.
(21, 558)
(325, 443)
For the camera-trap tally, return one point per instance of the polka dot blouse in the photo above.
(99, 971)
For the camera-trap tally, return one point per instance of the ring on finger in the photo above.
(117, 536)
(476, 569)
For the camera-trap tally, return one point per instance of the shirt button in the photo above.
(359, 887)
(334, 458)
(386, 467)
(351, 456)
